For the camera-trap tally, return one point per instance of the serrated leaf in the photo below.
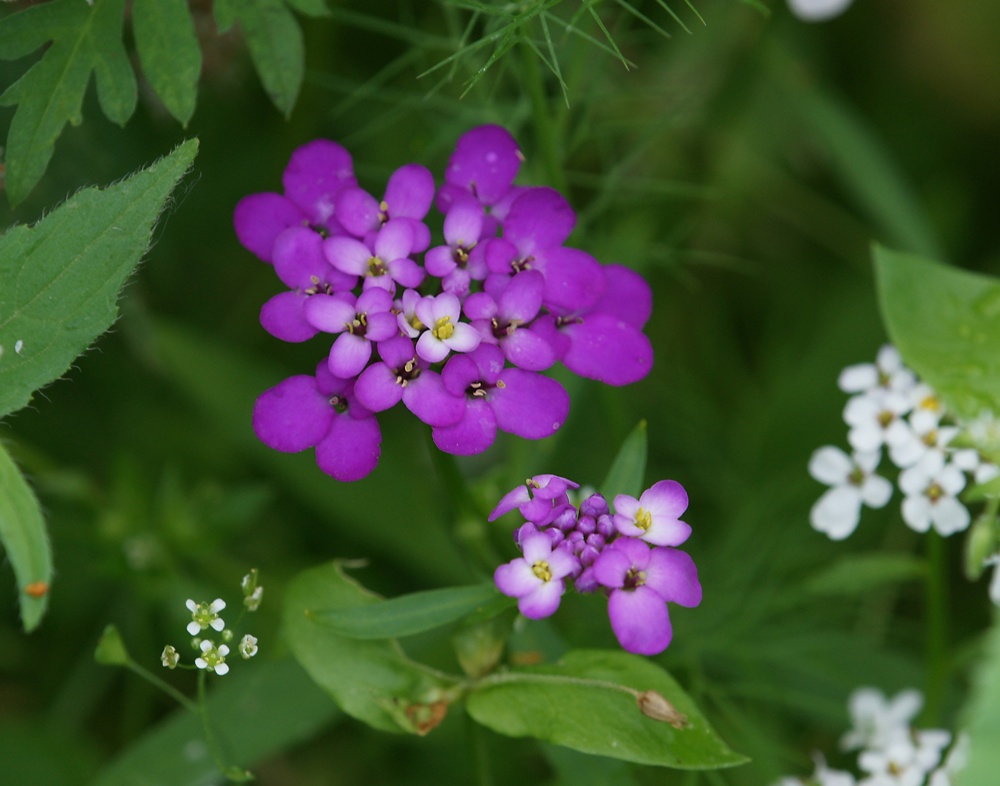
(946, 324)
(588, 702)
(84, 39)
(372, 681)
(274, 39)
(629, 467)
(408, 614)
(59, 280)
(23, 535)
(169, 52)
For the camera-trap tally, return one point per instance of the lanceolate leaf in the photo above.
(84, 39)
(629, 467)
(946, 324)
(588, 702)
(59, 280)
(169, 51)
(22, 532)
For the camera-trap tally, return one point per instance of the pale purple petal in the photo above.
(608, 349)
(516, 578)
(357, 211)
(485, 161)
(315, 173)
(394, 241)
(293, 415)
(330, 313)
(573, 279)
(410, 192)
(543, 601)
(562, 563)
(349, 355)
(464, 338)
(351, 449)
(528, 404)
(473, 434)
(636, 550)
(640, 620)
(673, 576)
(377, 388)
(509, 501)
(347, 254)
(540, 218)
(665, 498)
(536, 547)
(427, 398)
(464, 223)
(667, 532)
(259, 218)
(406, 272)
(431, 349)
(611, 567)
(282, 316)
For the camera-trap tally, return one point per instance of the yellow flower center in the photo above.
(443, 328)
(376, 267)
(935, 492)
(643, 519)
(541, 569)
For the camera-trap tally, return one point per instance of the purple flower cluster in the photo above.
(627, 555)
(459, 337)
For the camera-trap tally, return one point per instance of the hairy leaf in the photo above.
(588, 701)
(84, 39)
(946, 324)
(169, 52)
(22, 532)
(59, 280)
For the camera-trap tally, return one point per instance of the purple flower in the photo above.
(641, 582)
(506, 322)
(535, 499)
(358, 322)
(462, 260)
(517, 401)
(389, 263)
(402, 376)
(303, 412)
(484, 164)
(444, 332)
(654, 516)
(408, 196)
(536, 579)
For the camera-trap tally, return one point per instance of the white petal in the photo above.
(830, 465)
(888, 359)
(217, 605)
(897, 432)
(192, 606)
(949, 516)
(903, 382)
(967, 459)
(837, 512)
(904, 708)
(987, 472)
(206, 645)
(222, 668)
(859, 378)
(223, 650)
(867, 460)
(924, 421)
(907, 452)
(914, 481)
(866, 438)
(193, 628)
(861, 409)
(951, 479)
(876, 491)
(217, 624)
(917, 513)
(201, 663)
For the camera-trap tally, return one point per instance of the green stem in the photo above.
(166, 687)
(233, 773)
(548, 142)
(937, 628)
(480, 756)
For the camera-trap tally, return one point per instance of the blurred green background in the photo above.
(744, 168)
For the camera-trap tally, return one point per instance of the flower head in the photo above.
(248, 646)
(654, 516)
(852, 483)
(213, 657)
(536, 579)
(205, 615)
(169, 657)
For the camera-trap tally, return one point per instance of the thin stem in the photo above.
(548, 143)
(233, 773)
(166, 687)
(480, 755)
(938, 655)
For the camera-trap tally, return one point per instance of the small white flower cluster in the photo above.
(890, 407)
(892, 752)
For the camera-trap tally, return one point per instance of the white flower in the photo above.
(930, 489)
(852, 482)
(824, 776)
(926, 399)
(876, 418)
(205, 615)
(907, 759)
(923, 436)
(888, 371)
(954, 763)
(170, 657)
(878, 722)
(818, 10)
(252, 601)
(213, 658)
(248, 646)
(970, 460)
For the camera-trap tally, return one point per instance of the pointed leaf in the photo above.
(629, 467)
(59, 280)
(22, 533)
(275, 42)
(169, 52)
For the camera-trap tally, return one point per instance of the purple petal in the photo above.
(377, 388)
(540, 218)
(357, 211)
(528, 404)
(573, 279)
(410, 192)
(315, 173)
(382, 325)
(396, 351)
(406, 272)
(283, 317)
(331, 385)
(259, 218)
(329, 313)
(421, 235)
(374, 301)
(611, 567)
(458, 374)
(526, 349)
(673, 576)
(347, 254)
(293, 415)
(464, 223)
(509, 501)
(627, 296)
(608, 349)
(636, 550)
(349, 355)
(498, 254)
(522, 298)
(545, 327)
(458, 282)
(490, 361)
(543, 601)
(640, 620)
(473, 434)
(394, 240)
(351, 449)
(485, 162)
(480, 306)
(516, 579)
(439, 261)
(665, 498)
(427, 398)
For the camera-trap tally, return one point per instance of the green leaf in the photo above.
(946, 324)
(275, 43)
(629, 467)
(983, 717)
(859, 574)
(408, 614)
(372, 681)
(22, 532)
(255, 713)
(314, 8)
(111, 649)
(50, 93)
(588, 702)
(59, 280)
(169, 52)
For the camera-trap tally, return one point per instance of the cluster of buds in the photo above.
(628, 555)
(458, 335)
(891, 408)
(892, 751)
(205, 616)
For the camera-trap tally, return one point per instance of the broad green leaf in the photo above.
(629, 467)
(946, 324)
(372, 681)
(84, 38)
(22, 532)
(275, 43)
(859, 574)
(588, 702)
(406, 615)
(59, 280)
(256, 711)
(169, 52)
(982, 714)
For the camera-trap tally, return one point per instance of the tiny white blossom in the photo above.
(205, 615)
(930, 488)
(925, 399)
(923, 436)
(248, 646)
(969, 460)
(213, 658)
(876, 418)
(853, 483)
(888, 371)
(818, 10)
(878, 721)
(169, 658)
(906, 760)
(252, 601)
(954, 763)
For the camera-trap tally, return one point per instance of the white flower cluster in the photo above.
(890, 407)
(892, 752)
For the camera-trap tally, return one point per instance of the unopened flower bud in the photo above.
(655, 706)
(252, 601)
(227, 635)
(594, 505)
(249, 583)
(170, 657)
(248, 646)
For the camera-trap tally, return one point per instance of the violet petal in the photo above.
(293, 415)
